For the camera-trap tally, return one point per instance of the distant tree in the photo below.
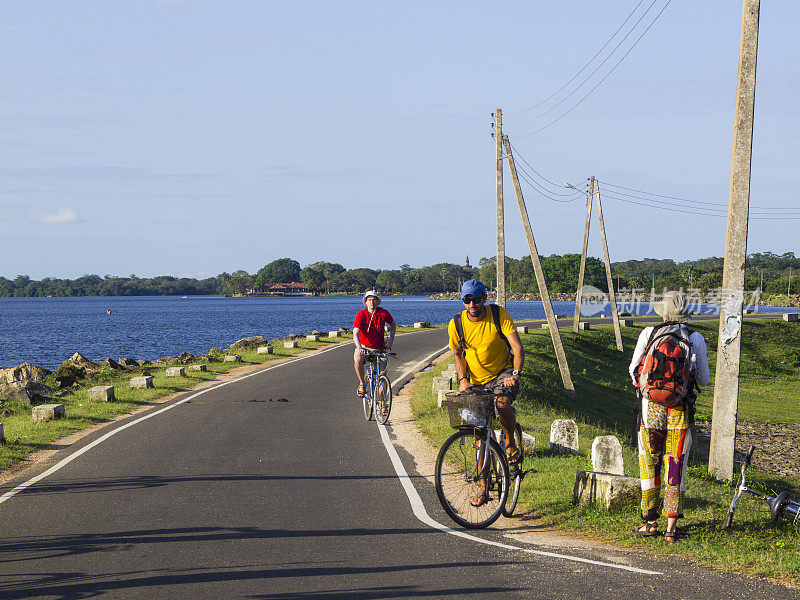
(283, 270)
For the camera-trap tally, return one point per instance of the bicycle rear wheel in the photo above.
(457, 479)
(383, 400)
(515, 471)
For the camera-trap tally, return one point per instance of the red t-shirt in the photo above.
(371, 327)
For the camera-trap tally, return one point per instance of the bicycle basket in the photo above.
(469, 409)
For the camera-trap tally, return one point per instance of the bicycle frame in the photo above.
(781, 505)
(374, 368)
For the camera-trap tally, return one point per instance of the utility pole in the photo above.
(589, 202)
(501, 241)
(612, 296)
(555, 334)
(726, 389)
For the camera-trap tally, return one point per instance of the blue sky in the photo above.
(189, 138)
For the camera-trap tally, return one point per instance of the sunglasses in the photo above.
(472, 300)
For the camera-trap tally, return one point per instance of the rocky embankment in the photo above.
(777, 445)
(31, 384)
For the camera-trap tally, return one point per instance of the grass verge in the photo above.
(769, 378)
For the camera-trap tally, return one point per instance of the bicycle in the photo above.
(786, 504)
(377, 397)
(472, 454)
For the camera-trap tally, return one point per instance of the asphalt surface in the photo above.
(231, 493)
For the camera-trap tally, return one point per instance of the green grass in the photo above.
(769, 379)
(24, 437)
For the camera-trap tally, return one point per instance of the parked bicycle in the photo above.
(471, 456)
(377, 399)
(785, 505)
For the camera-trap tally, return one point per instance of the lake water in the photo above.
(46, 331)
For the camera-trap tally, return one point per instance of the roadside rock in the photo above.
(143, 362)
(167, 361)
(26, 392)
(24, 372)
(111, 363)
(249, 342)
(128, 362)
(65, 381)
(80, 360)
(185, 358)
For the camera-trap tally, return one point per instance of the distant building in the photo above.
(466, 264)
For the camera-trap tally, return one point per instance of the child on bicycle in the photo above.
(482, 343)
(368, 332)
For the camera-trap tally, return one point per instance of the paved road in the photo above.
(232, 494)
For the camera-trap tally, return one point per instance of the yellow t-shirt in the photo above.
(486, 352)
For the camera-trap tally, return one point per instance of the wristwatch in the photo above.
(515, 372)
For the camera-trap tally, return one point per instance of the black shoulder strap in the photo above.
(496, 317)
(460, 332)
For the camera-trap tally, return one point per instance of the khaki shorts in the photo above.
(497, 387)
(357, 353)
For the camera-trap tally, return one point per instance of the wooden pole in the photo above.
(609, 278)
(726, 388)
(589, 202)
(555, 334)
(501, 242)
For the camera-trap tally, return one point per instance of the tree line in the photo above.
(561, 274)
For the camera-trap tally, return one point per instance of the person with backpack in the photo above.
(488, 353)
(669, 362)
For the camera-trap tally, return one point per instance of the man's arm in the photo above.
(461, 370)
(702, 373)
(641, 346)
(392, 329)
(357, 341)
(519, 358)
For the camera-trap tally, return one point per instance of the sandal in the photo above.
(360, 391)
(674, 536)
(479, 499)
(513, 455)
(646, 529)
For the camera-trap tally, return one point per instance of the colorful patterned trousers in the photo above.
(664, 434)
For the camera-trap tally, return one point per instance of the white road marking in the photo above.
(419, 508)
(62, 463)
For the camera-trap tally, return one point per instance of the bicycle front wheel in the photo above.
(366, 400)
(383, 400)
(515, 471)
(458, 481)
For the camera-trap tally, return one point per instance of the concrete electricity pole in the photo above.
(552, 324)
(612, 296)
(726, 388)
(589, 202)
(501, 241)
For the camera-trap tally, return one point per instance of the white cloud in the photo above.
(60, 217)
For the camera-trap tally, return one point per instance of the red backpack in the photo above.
(663, 373)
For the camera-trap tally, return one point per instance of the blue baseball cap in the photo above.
(473, 287)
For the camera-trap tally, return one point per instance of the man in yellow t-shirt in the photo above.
(485, 360)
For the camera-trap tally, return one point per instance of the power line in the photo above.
(602, 80)
(725, 204)
(588, 77)
(583, 68)
(710, 212)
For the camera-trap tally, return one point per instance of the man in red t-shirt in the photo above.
(368, 330)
